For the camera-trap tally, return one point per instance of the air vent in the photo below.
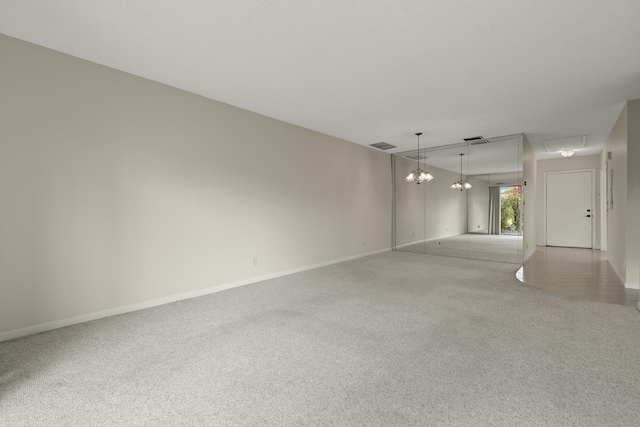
(473, 138)
(383, 146)
(416, 157)
(482, 141)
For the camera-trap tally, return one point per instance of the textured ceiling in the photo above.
(370, 70)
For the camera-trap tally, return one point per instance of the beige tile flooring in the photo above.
(582, 273)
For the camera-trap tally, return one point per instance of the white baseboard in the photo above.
(627, 285)
(527, 256)
(411, 243)
(43, 327)
(480, 231)
(632, 285)
(615, 270)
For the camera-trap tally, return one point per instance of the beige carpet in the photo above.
(489, 247)
(391, 339)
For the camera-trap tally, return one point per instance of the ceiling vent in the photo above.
(473, 138)
(574, 142)
(383, 146)
(416, 157)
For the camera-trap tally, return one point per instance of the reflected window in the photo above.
(485, 222)
(510, 218)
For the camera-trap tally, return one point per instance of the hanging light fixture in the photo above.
(567, 152)
(462, 184)
(418, 175)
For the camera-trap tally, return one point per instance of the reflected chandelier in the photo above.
(462, 184)
(418, 175)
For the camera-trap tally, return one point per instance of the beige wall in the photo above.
(563, 164)
(531, 214)
(446, 209)
(429, 210)
(633, 195)
(478, 205)
(616, 217)
(117, 191)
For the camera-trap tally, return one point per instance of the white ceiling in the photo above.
(496, 156)
(370, 70)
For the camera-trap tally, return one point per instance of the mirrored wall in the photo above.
(483, 221)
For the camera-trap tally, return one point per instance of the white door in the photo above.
(569, 197)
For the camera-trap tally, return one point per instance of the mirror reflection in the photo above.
(473, 206)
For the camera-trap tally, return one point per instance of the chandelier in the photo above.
(462, 184)
(418, 175)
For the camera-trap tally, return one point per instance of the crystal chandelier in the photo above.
(567, 152)
(462, 184)
(418, 175)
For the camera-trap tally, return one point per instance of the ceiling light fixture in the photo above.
(462, 184)
(418, 175)
(567, 152)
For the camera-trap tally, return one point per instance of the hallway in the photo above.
(582, 273)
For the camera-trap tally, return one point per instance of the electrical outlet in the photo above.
(254, 262)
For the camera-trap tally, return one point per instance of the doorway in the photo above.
(569, 208)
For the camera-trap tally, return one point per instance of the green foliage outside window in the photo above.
(510, 209)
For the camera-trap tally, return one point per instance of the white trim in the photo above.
(480, 231)
(593, 202)
(627, 285)
(524, 261)
(603, 206)
(410, 243)
(30, 330)
(615, 270)
(595, 215)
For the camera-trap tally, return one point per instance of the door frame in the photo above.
(594, 215)
(603, 206)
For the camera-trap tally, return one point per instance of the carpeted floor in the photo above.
(488, 247)
(392, 339)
